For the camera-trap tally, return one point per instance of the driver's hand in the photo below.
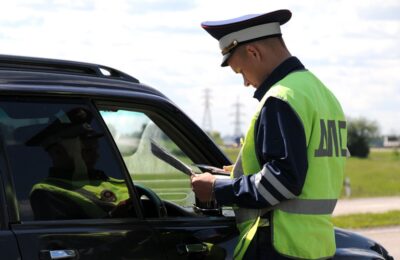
(203, 186)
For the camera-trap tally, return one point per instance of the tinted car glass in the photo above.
(59, 157)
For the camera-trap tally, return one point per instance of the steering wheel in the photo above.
(155, 200)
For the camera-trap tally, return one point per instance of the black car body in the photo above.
(162, 221)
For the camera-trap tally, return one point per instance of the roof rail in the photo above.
(62, 66)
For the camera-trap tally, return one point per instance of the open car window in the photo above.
(147, 151)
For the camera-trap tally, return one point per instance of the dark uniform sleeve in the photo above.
(281, 149)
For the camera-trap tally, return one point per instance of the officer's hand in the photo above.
(228, 168)
(203, 186)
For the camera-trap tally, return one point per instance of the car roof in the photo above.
(53, 74)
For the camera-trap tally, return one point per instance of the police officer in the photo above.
(288, 175)
(74, 188)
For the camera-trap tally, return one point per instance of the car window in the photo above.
(61, 161)
(147, 152)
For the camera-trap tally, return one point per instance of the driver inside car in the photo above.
(74, 188)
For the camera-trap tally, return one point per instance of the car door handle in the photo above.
(185, 249)
(58, 254)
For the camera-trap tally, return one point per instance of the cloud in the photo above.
(349, 46)
(59, 5)
(389, 12)
(12, 24)
(140, 7)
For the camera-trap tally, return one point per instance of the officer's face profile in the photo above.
(242, 61)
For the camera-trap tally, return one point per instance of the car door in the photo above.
(47, 223)
(8, 243)
(158, 143)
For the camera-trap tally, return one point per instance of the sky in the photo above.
(352, 46)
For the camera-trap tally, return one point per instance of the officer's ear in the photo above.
(253, 52)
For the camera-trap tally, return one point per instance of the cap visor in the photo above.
(225, 59)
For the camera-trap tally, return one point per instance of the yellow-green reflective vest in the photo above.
(301, 227)
(89, 195)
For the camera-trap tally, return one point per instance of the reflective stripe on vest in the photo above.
(299, 224)
(295, 206)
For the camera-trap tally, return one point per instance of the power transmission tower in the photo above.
(237, 119)
(207, 122)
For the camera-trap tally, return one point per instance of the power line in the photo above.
(207, 121)
(237, 132)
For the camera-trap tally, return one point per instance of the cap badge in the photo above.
(230, 47)
(108, 196)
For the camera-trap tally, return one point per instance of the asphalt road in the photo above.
(388, 237)
(367, 205)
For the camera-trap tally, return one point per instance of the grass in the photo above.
(376, 176)
(171, 186)
(368, 220)
(232, 153)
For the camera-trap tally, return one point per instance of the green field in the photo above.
(378, 175)
(390, 218)
(230, 152)
(173, 187)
